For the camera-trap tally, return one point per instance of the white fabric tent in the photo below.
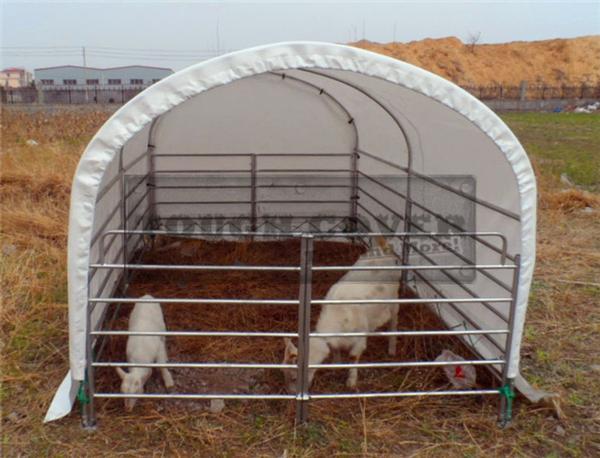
(235, 103)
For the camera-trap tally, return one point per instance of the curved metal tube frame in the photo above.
(409, 147)
(355, 148)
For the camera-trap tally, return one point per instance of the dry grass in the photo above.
(569, 200)
(561, 344)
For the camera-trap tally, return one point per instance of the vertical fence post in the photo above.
(354, 191)
(506, 390)
(407, 229)
(305, 294)
(523, 90)
(253, 192)
(124, 220)
(87, 387)
(151, 183)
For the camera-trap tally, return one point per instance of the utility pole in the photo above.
(394, 39)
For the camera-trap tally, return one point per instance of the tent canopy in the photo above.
(299, 98)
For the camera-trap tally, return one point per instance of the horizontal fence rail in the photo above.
(433, 300)
(198, 397)
(469, 332)
(297, 269)
(197, 365)
(477, 362)
(284, 397)
(384, 365)
(387, 394)
(426, 267)
(298, 234)
(194, 333)
(357, 301)
(128, 300)
(295, 334)
(191, 267)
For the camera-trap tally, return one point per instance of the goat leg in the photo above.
(166, 374)
(355, 352)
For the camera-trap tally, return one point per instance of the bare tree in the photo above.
(472, 40)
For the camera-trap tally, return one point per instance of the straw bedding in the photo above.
(260, 285)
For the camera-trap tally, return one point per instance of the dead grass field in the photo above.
(561, 351)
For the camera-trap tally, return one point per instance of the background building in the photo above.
(14, 78)
(74, 75)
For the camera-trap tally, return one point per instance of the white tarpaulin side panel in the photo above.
(198, 110)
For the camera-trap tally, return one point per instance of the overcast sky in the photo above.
(177, 34)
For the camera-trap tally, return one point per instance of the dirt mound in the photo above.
(573, 61)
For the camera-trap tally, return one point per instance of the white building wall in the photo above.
(15, 78)
(80, 76)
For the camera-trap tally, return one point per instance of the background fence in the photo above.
(534, 92)
(77, 95)
(71, 94)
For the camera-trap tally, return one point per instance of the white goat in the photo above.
(145, 317)
(369, 284)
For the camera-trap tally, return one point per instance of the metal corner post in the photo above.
(407, 228)
(506, 390)
(151, 182)
(305, 294)
(87, 389)
(354, 190)
(253, 213)
(125, 240)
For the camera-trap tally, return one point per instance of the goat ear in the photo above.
(290, 348)
(121, 372)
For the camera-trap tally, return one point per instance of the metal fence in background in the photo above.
(71, 94)
(79, 95)
(534, 92)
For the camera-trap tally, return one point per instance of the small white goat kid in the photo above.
(145, 317)
(337, 318)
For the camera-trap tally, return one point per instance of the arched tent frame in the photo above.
(144, 113)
